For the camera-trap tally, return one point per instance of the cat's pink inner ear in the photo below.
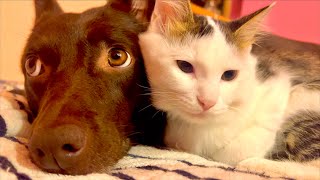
(169, 12)
(159, 15)
(165, 12)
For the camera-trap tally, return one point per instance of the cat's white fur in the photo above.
(247, 114)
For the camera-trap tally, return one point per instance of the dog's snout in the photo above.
(59, 148)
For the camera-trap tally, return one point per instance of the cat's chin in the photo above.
(200, 117)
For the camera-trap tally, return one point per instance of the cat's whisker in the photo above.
(171, 100)
(145, 87)
(145, 107)
(165, 91)
(134, 133)
(145, 94)
(155, 114)
(236, 109)
(165, 94)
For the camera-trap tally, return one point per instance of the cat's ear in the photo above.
(171, 15)
(246, 28)
(46, 6)
(141, 9)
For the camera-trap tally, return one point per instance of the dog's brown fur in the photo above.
(73, 90)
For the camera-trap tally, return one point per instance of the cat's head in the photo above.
(197, 66)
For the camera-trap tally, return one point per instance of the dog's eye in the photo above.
(118, 57)
(33, 66)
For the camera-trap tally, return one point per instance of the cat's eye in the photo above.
(185, 66)
(229, 75)
(118, 57)
(33, 66)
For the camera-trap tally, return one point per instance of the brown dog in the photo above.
(81, 75)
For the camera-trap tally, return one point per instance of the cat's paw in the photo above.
(279, 168)
(259, 165)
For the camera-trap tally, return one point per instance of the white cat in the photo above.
(225, 97)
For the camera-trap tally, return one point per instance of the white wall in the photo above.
(16, 21)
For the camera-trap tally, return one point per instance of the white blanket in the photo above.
(141, 162)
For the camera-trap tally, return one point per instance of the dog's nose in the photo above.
(59, 148)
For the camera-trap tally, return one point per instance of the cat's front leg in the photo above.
(308, 170)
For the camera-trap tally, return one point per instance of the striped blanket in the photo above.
(141, 162)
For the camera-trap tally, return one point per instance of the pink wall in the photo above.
(298, 19)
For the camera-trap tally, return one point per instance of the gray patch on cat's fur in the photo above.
(202, 28)
(277, 55)
(295, 82)
(264, 71)
(299, 138)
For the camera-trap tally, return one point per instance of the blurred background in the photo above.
(295, 19)
(16, 22)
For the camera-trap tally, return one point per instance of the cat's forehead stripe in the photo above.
(202, 27)
(199, 27)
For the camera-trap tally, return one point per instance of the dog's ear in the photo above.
(141, 9)
(46, 6)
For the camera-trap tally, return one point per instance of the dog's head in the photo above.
(81, 73)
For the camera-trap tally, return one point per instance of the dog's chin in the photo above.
(84, 170)
(87, 170)
(75, 172)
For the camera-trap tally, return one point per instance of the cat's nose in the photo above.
(206, 104)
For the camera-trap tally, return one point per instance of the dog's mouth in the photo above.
(54, 168)
(58, 170)
(58, 167)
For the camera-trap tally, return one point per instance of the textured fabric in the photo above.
(141, 162)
